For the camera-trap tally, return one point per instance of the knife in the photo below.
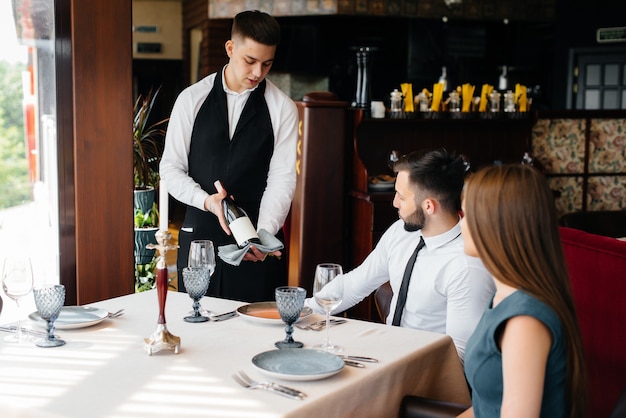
(353, 363)
(224, 316)
(13, 328)
(285, 391)
(360, 358)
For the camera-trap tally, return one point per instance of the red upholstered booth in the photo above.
(597, 269)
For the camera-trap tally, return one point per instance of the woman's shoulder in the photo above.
(523, 303)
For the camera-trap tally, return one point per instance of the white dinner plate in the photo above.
(74, 317)
(267, 312)
(298, 364)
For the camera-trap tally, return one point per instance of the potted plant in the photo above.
(148, 148)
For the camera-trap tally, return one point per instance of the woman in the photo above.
(525, 358)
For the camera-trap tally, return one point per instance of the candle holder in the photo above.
(161, 338)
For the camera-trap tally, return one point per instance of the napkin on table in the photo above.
(233, 255)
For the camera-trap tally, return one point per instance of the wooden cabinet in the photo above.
(317, 226)
(481, 141)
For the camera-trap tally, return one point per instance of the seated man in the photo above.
(447, 290)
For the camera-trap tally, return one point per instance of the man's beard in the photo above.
(415, 221)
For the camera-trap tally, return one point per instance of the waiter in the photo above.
(237, 127)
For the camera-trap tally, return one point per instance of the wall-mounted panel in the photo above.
(157, 29)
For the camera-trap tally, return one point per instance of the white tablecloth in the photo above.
(104, 371)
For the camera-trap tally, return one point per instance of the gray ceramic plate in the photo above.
(74, 317)
(298, 364)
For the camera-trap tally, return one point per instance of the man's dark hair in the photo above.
(439, 173)
(256, 25)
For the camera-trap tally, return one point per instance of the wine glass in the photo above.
(328, 294)
(289, 301)
(17, 282)
(196, 280)
(49, 300)
(202, 254)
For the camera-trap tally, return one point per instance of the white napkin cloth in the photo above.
(233, 255)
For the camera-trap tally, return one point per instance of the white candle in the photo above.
(163, 206)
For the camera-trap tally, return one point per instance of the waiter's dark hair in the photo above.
(256, 25)
(439, 173)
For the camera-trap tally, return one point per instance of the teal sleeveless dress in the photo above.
(483, 359)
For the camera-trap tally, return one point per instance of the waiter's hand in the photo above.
(253, 254)
(213, 204)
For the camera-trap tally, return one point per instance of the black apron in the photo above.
(242, 165)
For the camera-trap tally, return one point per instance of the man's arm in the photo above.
(281, 177)
(468, 295)
(174, 166)
(364, 279)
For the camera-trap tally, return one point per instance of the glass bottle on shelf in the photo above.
(422, 101)
(494, 101)
(396, 108)
(443, 78)
(509, 101)
(454, 105)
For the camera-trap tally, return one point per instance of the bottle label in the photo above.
(243, 230)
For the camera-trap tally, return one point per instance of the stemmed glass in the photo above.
(328, 294)
(196, 280)
(17, 282)
(49, 301)
(201, 254)
(289, 301)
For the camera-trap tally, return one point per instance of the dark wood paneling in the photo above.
(102, 75)
(65, 148)
(218, 34)
(317, 210)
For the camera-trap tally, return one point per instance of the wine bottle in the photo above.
(238, 221)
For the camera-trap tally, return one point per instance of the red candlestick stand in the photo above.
(161, 338)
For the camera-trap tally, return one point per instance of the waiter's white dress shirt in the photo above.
(281, 179)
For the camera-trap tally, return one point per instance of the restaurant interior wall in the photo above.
(409, 49)
(412, 40)
(474, 44)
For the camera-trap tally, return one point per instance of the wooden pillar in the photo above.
(94, 85)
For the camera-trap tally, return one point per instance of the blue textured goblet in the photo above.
(196, 280)
(289, 301)
(49, 301)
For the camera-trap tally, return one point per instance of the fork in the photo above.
(116, 314)
(245, 381)
(321, 324)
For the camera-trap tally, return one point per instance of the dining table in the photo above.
(105, 369)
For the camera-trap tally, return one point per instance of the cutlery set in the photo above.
(354, 361)
(217, 317)
(28, 331)
(245, 381)
(223, 317)
(320, 325)
(116, 314)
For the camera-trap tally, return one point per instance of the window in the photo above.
(28, 163)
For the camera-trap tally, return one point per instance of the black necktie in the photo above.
(405, 284)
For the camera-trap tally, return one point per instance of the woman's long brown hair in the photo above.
(512, 219)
